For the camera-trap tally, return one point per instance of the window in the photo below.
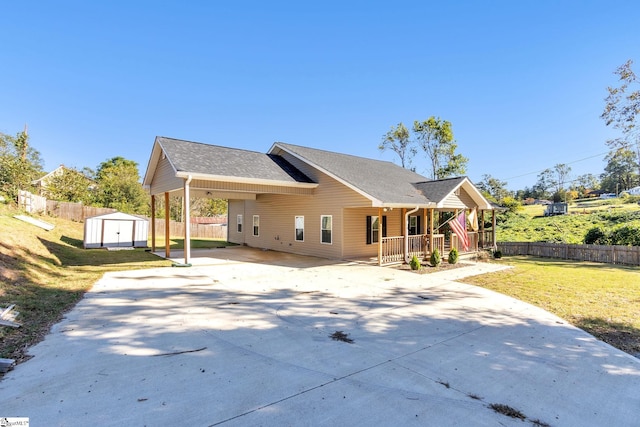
(325, 228)
(256, 225)
(414, 225)
(299, 229)
(373, 228)
(239, 223)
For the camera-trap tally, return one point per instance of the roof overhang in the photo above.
(244, 180)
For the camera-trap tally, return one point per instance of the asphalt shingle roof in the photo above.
(382, 180)
(437, 190)
(195, 157)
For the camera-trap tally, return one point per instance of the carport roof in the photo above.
(214, 160)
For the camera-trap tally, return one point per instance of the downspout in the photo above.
(406, 237)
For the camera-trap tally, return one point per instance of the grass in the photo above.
(196, 243)
(602, 299)
(45, 273)
(529, 224)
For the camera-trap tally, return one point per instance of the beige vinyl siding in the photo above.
(355, 230)
(277, 215)
(235, 208)
(164, 179)
(460, 201)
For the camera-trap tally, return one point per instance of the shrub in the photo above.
(596, 236)
(453, 256)
(435, 258)
(626, 236)
(415, 263)
(497, 254)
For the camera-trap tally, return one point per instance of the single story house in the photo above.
(43, 182)
(321, 203)
(635, 191)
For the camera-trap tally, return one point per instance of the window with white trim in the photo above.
(373, 228)
(299, 225)
(239, 223)
(326, 226)
(256, 225)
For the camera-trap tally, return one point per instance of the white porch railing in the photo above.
(392, 250)
(473, 242)
(418, 245)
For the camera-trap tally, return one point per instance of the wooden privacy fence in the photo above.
(609, 254)
(176, 229)
(74, 211)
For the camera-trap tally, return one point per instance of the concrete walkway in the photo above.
(234, 343)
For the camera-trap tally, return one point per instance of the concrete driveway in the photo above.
(230, 342)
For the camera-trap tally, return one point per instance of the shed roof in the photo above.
(117, 216)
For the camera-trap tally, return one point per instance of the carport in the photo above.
(205, 171)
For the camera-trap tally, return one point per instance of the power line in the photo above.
(569, 163)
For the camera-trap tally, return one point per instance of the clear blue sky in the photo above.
(523, 82)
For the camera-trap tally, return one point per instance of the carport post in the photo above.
(167, 229)
(187, 223)
(153, 223)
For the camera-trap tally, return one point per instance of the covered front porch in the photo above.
(439, 233)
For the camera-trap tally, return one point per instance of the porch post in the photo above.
(153, 223)
(493, 228)
(380, 236)
(405, 233)
(431, 231)
(167, 230)
(481, 240)
(425, 221)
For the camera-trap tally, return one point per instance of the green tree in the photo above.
(620, 172)
(561, 175)
(585, 183)
(544, 184)
(435, 138)
(493, 188)
(119, 186)
(622, 109)
(209, 207)
(20, 164)
(70, 186)
(398, 140)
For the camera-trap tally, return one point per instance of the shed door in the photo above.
(117, 233)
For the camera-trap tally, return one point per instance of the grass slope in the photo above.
(45, 273)
(529, 225)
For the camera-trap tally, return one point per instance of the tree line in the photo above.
(115, 183)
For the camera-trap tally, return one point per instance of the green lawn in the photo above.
(196, 243)
(602, 299)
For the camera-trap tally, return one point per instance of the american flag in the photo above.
(459, 226)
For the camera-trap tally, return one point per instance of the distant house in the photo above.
(321, 203)
(43, 182)
(635, 191)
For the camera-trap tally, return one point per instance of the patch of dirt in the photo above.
(341, 336)
(507, 410)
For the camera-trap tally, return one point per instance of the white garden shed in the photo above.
(115, 230)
